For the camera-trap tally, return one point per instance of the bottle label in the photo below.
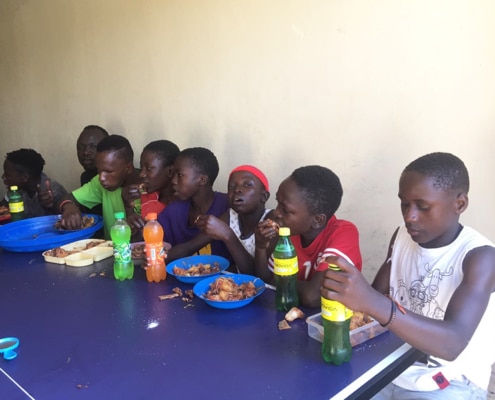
(285, 266)
(334, 311)
(16, 207)
(122, 252)
(154, 252)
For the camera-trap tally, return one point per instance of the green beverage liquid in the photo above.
(285, 272)
(123, 267)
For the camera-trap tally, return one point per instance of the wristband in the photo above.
(63, 203)
(393, 313)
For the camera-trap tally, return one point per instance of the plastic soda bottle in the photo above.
(285, 270)
(16, 204)
(336, 347)
(155, 255)
(123, 267)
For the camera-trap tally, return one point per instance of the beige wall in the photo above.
(362, 87)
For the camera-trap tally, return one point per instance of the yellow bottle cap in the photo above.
(284, 231)
(14, 188)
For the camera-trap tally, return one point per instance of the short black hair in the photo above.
(447, 170)
(119, 144)
(164, 149)
(96, 127)
(320, 188)
(203, 160)
(27, 161)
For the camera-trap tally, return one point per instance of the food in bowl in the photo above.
(61, 252)
(225, 289)
(198, 270)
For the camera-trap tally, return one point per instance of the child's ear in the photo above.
(319, 220)
(265, 196)
(461, 203)
(203, 180)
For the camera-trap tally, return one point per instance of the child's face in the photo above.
(112, 169)
(292, 210)
(245, 192)
(12, 177)
(431, 215)
(186, 180)
(86, 147)
(154, 173)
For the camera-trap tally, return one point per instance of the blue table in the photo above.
(84, 335)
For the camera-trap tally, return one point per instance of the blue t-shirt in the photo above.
(176, 230)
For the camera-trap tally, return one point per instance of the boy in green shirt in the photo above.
(114, 162)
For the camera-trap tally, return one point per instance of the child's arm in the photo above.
(219, 229)
(445, 338)
(266, 236)
(188, 248)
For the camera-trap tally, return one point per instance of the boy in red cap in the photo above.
(248, 191)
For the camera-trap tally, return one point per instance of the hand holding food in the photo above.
(266, 231)
(71, 216)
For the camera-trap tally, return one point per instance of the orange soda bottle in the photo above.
(155, 255)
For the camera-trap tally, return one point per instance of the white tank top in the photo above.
(248, 242)
(423, 281)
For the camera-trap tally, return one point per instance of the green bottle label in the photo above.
(16, 207)
(285, 266)
(122, 252)
(334, 311)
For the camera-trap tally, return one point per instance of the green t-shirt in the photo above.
(92, 194)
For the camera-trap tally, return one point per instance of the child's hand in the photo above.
(45, 195)
(135, 221)
(71, 217)
(213, 227)
(130, 194)
(342, 285)
(265, 232)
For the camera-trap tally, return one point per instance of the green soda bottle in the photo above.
(16, 204)
(336, 347)
(285, 270)
(123, 267)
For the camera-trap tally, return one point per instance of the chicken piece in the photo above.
(294, 313)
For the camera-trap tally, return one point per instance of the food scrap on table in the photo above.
(176, 292)
(282, 325)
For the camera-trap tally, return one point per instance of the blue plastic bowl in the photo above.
(201, 288)
(39, 234)
(188, 262)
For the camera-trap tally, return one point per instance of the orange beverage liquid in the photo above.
(155, 255)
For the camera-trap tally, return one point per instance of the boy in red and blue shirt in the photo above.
(306, 203)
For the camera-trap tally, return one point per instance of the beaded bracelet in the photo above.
(393, 313)
(63, 203)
